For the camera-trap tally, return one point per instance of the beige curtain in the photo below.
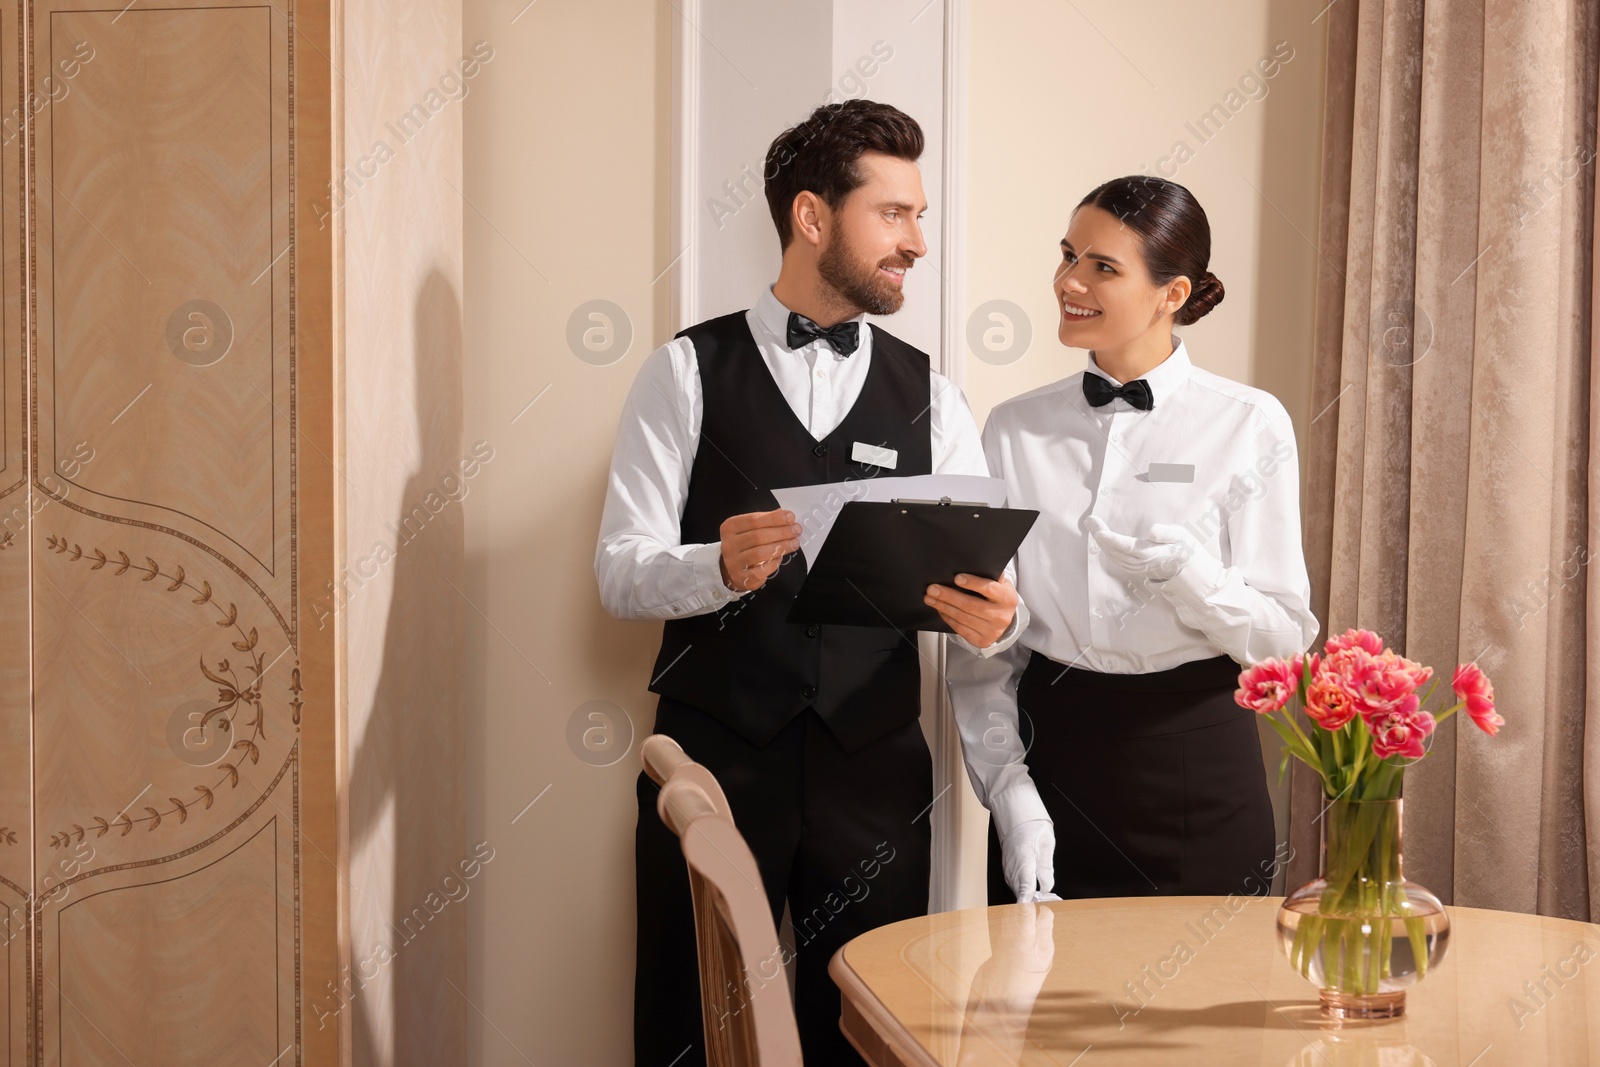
(1452, 488)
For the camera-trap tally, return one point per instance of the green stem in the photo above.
(1363, 894)
(1418, 936)
(1297, 744)
(1362, 747)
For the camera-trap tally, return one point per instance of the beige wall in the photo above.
(567, 172)
(1059, 104)
(404, 532)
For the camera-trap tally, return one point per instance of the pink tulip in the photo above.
(1304, 665)
(1469, 680)
(1329, 702)
(1401, 731)
(1267, 686)
(1416, 672)
(1365, 640)
(1359, 673)
(1472, 687)
(1379, 683)
(1484, 715)
(1386, 686)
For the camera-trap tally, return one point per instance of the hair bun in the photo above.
(1206, 294)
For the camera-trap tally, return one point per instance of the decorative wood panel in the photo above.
(219, 909)
(16, 822)
(180, 374)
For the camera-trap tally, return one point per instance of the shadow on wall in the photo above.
(410, 755)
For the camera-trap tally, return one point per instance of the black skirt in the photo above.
(1154, 781)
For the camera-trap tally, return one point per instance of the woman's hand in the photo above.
(1027, 855)
(981, 614)
(1161, 555)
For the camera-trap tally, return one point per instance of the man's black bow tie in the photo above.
(844, 337)
(1100, 392)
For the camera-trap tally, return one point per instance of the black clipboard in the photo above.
(880, 557)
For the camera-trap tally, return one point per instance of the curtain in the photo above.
(1452, 483)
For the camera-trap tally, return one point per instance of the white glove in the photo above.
(1164, 555)
(1028, 856)
(1161, 555)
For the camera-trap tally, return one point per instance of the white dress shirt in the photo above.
(1070, 460)
(643, 568)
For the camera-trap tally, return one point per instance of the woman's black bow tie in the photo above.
(1100, 392)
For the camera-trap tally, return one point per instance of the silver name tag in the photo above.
(1171, 472)
(878, 457)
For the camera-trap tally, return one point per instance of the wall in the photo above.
(399, 71)
(1060, 103)
(567, 170)
(1065, 96)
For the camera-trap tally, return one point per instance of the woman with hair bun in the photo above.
(1106, 742)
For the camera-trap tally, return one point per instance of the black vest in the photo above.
(746, 664)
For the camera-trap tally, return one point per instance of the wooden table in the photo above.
(1201, 980)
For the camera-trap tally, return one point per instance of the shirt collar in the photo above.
(774, 316)
(1166, 378)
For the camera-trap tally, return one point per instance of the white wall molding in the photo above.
(685, 160)
(955, 810)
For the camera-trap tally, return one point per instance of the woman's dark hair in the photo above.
(1173, 234)
(819, 155)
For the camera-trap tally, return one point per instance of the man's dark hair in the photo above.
(819, 155)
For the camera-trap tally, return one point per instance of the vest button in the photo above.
(809, 691)
(813, 631)
(819, 449)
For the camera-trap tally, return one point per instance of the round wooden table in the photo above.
(1201, 980)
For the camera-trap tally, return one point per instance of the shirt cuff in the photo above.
(1199, 579)
(1007, 638)
(1017, 805)
(708, 576)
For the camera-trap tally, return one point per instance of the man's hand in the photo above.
(981, 614)
(754, 544)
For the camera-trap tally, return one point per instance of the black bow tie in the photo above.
(844, 337)
(1100, 392)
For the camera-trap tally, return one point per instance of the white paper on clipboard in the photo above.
(816, 507)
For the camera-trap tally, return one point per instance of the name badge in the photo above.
(862, 452)
(1171, 472)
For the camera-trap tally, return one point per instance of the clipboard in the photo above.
(880, 557)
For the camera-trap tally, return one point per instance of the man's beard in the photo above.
(861, 284)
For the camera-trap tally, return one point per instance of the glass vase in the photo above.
(1360, 931)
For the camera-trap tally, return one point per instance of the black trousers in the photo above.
(1154, 782)
(842, 836)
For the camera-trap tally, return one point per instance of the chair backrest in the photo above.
(664, 758)
(744, 991)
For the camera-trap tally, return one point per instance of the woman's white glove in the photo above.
(1027, 841)
(1162, 555)
(1028, 857)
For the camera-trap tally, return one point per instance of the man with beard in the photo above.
(811, 730)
